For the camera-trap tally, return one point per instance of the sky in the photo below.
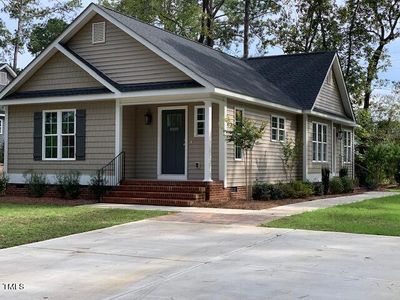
(393, 72)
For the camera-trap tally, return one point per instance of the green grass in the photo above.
(22, 224)
(376, 216)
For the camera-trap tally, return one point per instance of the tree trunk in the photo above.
(246, 25)
(350, 39)
(371, 73)
(16, 44)
(203, 22)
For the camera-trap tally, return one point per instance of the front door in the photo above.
(173, 142)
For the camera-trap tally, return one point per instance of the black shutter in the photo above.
(37, 135)
(81, 134)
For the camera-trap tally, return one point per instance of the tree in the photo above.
(26, 13)
(306, 26)
(5, 37)
(178, 16)
(290, 154)
(246, 21)
(43, 34)
(245, 133)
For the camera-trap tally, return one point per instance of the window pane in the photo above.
(274, 122)
(314, 132)
(68, 146)
(239, 116)
(68, 122)
(274, 134)
(281, 135)
(281, 123)
(324, 153)
(51, 123)
(319, 151)
(238, 152)
(200, 128)
(314, 151)
(200, 114)
(51, 147)
(324, 134)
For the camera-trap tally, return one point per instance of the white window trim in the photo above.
(59, 135)
(345, 147)
(284, 129)
(234, 146)
(104, 33)
(1, 126)
(322, 143)
(196, 120)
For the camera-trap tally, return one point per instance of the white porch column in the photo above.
(207, 140)
(118, 127)
(222, 141)
(305, 147)
(5, 139)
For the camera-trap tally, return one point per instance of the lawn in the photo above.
(22, 224)
(376, 216)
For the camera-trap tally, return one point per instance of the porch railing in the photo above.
(114, 172)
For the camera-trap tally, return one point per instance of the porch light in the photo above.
(340, 135)
(148, 118)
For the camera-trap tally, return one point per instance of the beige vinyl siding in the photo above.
(267, 164)
(340, 151)
(140, 143)
(329, 99)
(122, 58)
(100, 138)
(59, 73)
(315, 167)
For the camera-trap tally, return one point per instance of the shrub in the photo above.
(301, 189)
(98, 185)
(293, 190)
(343, 172)
(36, 183)
(3, 183)
(348, 184)
(68, 185)
(397, 174)
(277, 191)
(336, 186)
(318, 188)
(325, 175)
(262, 191)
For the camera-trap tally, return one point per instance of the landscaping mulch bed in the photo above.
(44, 200)
(258, 204)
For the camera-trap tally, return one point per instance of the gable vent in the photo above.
(3, 78)
(99, 32)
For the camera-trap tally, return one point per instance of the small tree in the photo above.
(245, 133)
(290, 154)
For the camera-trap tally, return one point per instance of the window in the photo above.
(347, 145)
(320, 142)
(277, 129)
(238, 120)
(199, 119)
(3, 78)
(1, 126)
(59, 134)
(99, 32)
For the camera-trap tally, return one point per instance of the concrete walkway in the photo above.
(242, 216)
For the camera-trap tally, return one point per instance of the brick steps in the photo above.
(154, 192)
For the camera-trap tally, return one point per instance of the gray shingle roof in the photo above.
(221, 70)
(299, 75)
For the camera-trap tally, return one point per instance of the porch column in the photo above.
(305, 147)
(207, 139)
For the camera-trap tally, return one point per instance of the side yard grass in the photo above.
(22, 224)
(376, 216)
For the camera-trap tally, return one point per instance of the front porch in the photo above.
(176, 141)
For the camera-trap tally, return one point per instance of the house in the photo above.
(152, 106)
(7, 74)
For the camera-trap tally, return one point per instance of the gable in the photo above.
(122, 58)
(329, 99)
(59, 73)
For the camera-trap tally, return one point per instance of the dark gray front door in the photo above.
(173, 142)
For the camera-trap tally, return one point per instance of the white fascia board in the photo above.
(128, 97)
(50, 50)
(332, 118)
(87, 69)
(153, 48)
(255, 101)
(9, 69)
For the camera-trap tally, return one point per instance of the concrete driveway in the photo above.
(155, 259)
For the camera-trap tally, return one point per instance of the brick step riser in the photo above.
(146, 201)
(157, 195)
(165, 183)
(163, 189)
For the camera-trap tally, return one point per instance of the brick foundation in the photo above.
(215, 192)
